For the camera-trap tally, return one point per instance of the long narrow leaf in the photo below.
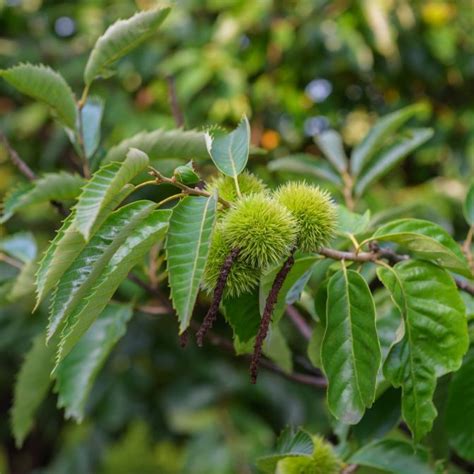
(81, 275)
(187, 249)
(129, 254)
(350, 351)
(382, 164)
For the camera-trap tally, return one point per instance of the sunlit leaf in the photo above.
(46, 85)
(469, 205)
(121, 38)
(91, 118)
(230, 152)
(103, 186)
(21, 245)
(151, 231)
(163, 144)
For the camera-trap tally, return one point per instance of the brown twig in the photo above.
(218, 292)
(299, 322)
(26, 171)
(174, 104)
(378, 253)
(186, 189)
(267, 315)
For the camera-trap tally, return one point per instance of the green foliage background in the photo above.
(155, 407)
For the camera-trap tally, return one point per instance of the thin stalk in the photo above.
(267, 315)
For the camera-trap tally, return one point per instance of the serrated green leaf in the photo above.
(49, 187)
(187, 249)
(468, 207)
(330, 143)
(460, 409)
(163, 144)
(66, 246)
(294, 283)
(121, 38)
(434, 341)
(394, 456)
(230, 152)
(151, 231)
(31, 387)
(350, 352)
(379, 133)
(46, 85)
(307, 165)
(427, 241)
(103, 186)
(77, 372)
(91, 118)
(88, 265)
(382, 163)
(21, 245)
(290, 443)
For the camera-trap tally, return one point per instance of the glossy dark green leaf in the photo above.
(434, 340)
(306, 165)
(77, 372)
(390, 157)
(121, 38)
(150, 231)
(349, 222)
(379, 133)
(330, 143)
(393, 456)
(31, 387)
(187, 249)
(425, 240)
(460, 409)
(350, 352)
(230, 152)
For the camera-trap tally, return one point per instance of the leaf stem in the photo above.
(237, 186)
(159, 178)
(11, 261)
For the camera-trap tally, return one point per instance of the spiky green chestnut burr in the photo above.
(225, 185)
(313, 210)
(263, 229)
(323, 461)
(242, 277)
